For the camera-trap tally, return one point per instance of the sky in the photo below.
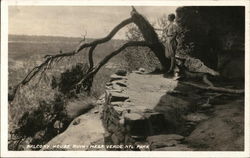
(75, 21)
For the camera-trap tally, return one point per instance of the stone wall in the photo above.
(131, 128)
(118, 119)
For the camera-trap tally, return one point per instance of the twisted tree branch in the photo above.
(151, 40)
(96, 68)
(52, 58)
(91, 62)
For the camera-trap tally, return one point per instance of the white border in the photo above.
(4, 79)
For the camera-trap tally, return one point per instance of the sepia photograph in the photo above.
(124, 78)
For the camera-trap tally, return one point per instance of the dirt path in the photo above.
(145, 90)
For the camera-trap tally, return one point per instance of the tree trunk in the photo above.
(151, 37)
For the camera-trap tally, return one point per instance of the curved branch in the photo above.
(108, 37)
(144, 26)
(91, 62)
(51, 58)
(96, 68)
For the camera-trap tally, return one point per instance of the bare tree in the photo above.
(151, 41)
(147, 31)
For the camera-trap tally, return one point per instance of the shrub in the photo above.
(68, 79)
(38, 124)
(47, 102)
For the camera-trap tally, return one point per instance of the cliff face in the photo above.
(216, 36)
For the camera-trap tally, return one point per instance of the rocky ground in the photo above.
(161, 113)
(84, 130)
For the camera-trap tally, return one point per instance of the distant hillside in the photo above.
(35, 38)
(23, 46)
(42, 38)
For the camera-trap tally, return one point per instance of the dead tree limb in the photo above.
(151, 40)
(108, 37)
(216, 89)
(96, 68)
(91, 61)
(52, 58)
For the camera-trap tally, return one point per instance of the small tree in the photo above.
(38, 124)
(68, 79)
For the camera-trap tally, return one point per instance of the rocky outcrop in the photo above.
(216, 36)
(223, 132)
(84, 131)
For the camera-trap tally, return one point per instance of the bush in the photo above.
(52, 101)
(38, 124)
(68, 79)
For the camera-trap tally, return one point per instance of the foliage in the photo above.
(68, 79)
(28, 120)
(39, 123)
(136, 57)
(133, 33)
(143, 57)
